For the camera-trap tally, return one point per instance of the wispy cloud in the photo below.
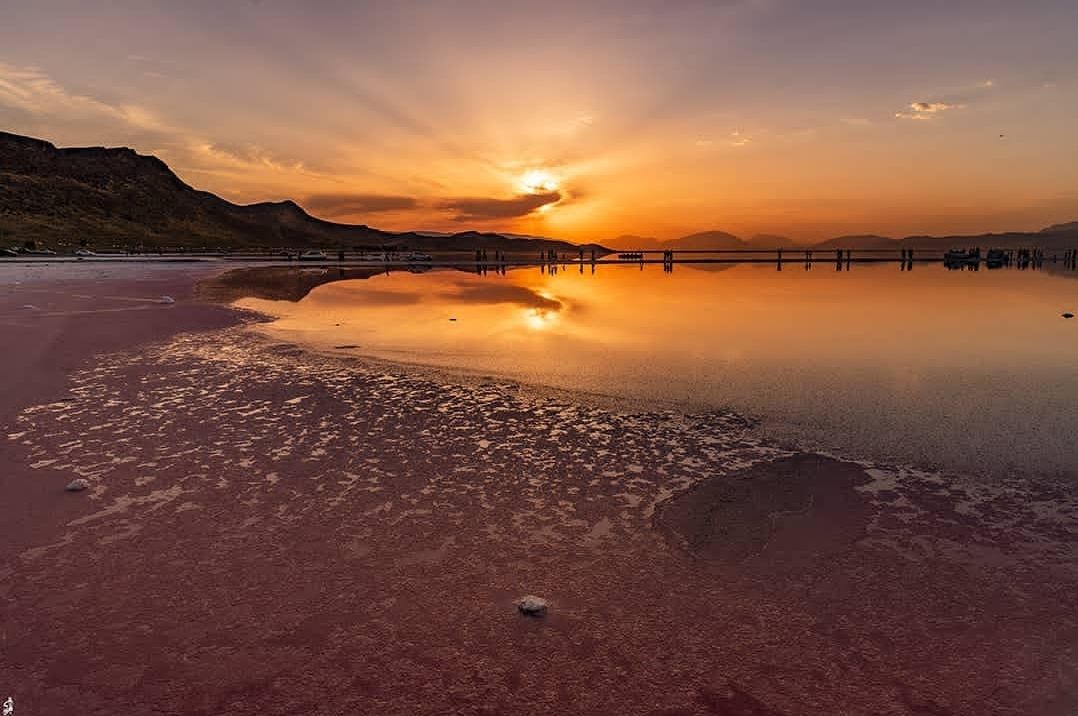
(735, 139)
(739, 139)
(243, 156)
(927, 110)
(150, 67)
(955, 100)
(31, 90)
(334, 205)
(485, 209)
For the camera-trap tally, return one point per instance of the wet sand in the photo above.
(270, 531)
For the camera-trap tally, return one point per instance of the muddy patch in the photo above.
(788, 510)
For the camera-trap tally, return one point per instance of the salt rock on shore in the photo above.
(532, 605)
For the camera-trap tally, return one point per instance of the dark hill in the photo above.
(770, 241)
(628, 242)
(860, 241)
(116, 197)
(707, 240)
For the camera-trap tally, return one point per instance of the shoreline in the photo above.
(218, 289)
(294, 284)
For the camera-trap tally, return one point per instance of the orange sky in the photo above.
(660, 119)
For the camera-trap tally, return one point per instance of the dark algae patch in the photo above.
(794, 508)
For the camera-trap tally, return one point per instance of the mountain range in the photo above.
(701, 241)
(118, 198)
(1058, 237)
(114, 197)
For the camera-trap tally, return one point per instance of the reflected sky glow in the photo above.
(969, 368)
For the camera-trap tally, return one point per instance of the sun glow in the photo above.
(537, 181)
(539, 319)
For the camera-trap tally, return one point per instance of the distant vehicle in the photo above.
(85, 252)
(313, 255)
(9, 252)
(39, 252)
(962, 257)
(417, 256)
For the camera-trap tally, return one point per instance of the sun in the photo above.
(537, 181)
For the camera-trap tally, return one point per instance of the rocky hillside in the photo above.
(118, 198)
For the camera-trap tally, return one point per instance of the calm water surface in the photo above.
(970, 371)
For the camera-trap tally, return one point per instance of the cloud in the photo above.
(484, 209)
(927, 110)
(949, 101)
(737, 139)
(151, 67)
(803, 133)
(934, 106)
(241, 157)
(334, 205)
(31, 90)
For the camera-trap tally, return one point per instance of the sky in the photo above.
(579, 120)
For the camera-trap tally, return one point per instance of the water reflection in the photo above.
(973, 371)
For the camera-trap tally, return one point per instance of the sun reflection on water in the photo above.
(539, 319)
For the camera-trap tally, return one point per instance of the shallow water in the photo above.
(969, 371)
